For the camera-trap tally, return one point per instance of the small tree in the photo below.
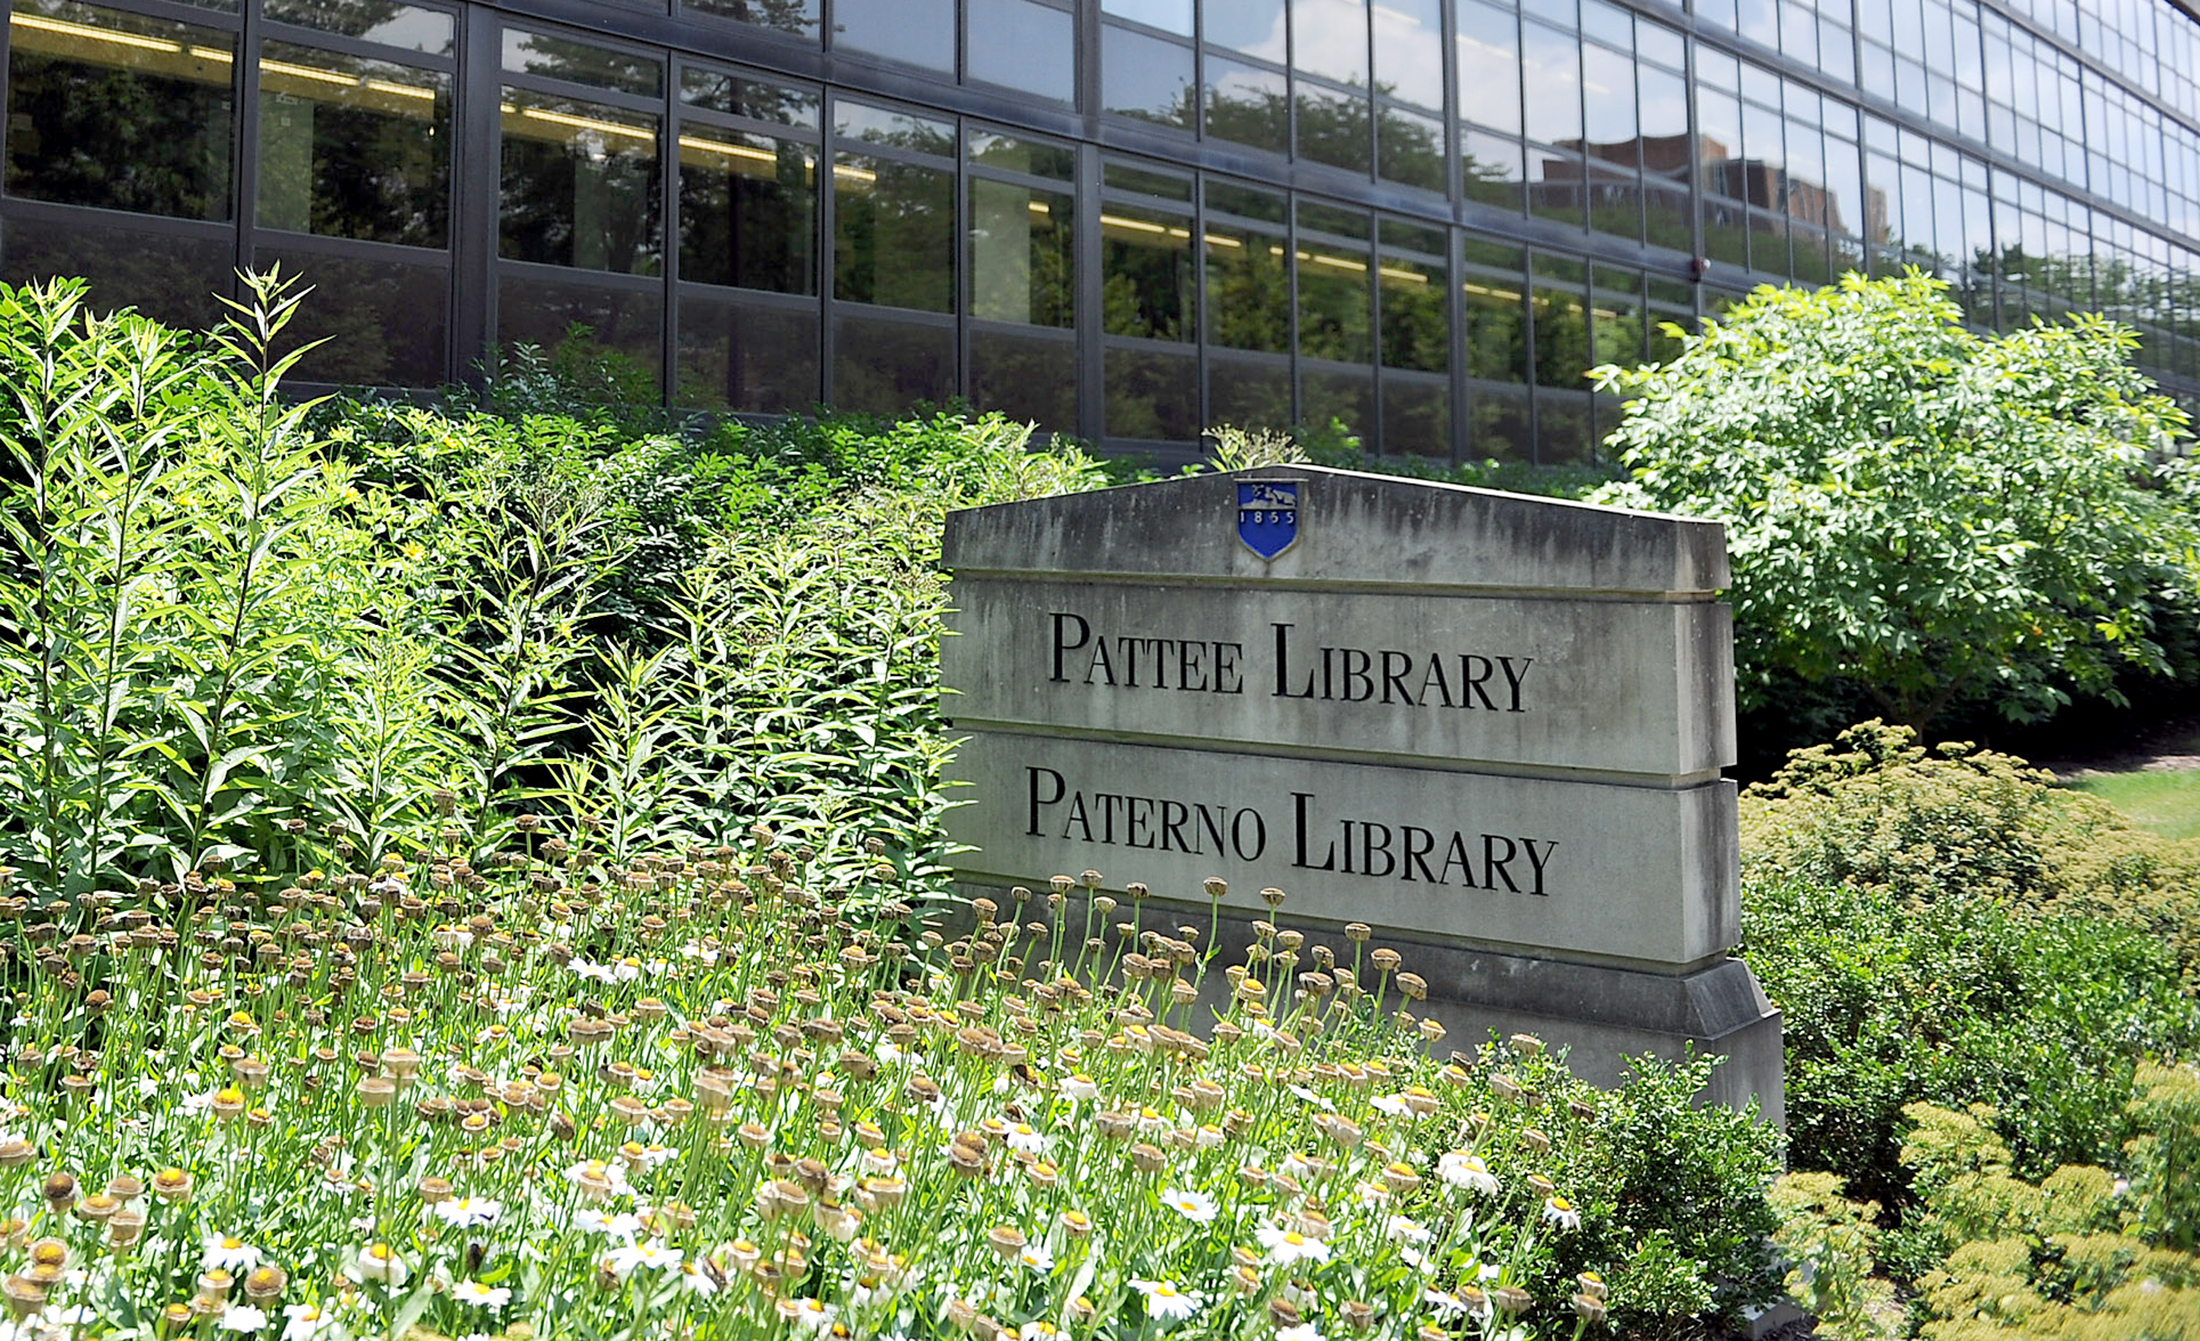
(1935, 515)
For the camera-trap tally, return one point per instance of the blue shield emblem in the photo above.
(1268, 515)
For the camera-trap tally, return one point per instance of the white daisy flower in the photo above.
(1164, 1302)
(1459, 1169)
(243, 1318)
(311, 1322)
(229, 1253)
(1288, 1246)
(467, 1212)
(1393, 1104)
(811, 1315)
(1197, 1207)
(1405, 1229)
(1035, 1256)
(380, 1262)
(481, 1296)
(1303, 1332)
(619, 1226)
(1021, 1136)
(1561, 1212)
(653, 1255)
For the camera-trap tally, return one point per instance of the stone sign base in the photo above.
(1599, 1014)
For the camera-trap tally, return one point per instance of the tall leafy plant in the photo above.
(86, 442)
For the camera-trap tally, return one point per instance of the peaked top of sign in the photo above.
(1346, 528)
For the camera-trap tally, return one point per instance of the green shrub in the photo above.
(240, 627)
(2079, 1255)
(1877, 811)
(1933, 515)
(1955, 1001)
(1681, 1221)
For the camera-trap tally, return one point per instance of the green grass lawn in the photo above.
(2166, 802)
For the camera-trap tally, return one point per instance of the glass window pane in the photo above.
(1174, 16)
(415, 27)
(894, 234)
(579, 185)
(756, 99)
(748, 211)
(1021, 154)
(118, 111)
(1146, 268)
(1656, 42)
(1498, 427)
(1341, 395)
(1160, 185)
(1561, 338)
(1023, 255)
(1496, 329)
(1248, 290)
(171, 279)
(1023, 45)
(1562, 427)
(1146, 77)
(1030, 378)
(1152, 395)
(1246, 202)
(1329, 38)
(788, 16)
(1559, 189)
(893, 129)
(1416, 329)
(1249, 390)
(1551, 65)
(754, 357)
(1416, 415)
(383, 323)
(1333, 126)
(624, 327)
(1608, 91)
(1248, 104)
(1409, 51)
(1489, 66)
(1256, 27)
(1410, 149)
(353, 148)
(883, 366)
(1336, 317)
(921, 32)
(1490, 169)
(1608, 23)
(581, 63)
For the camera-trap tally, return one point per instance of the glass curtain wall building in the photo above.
(1124, 219)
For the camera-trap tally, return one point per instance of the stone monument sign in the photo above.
(1491, 726)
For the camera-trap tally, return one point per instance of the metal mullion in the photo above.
(668, 224)
(321, 39)
(1455, 312)
(1202, 396)
(965, 273)
(1089, 305)
(828, 223)
(246, 141)
(476, 157)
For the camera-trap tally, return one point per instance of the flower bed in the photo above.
(707, 1095)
